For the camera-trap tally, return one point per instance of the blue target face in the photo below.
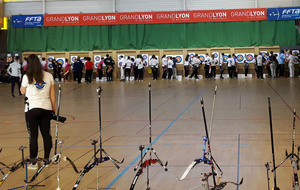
(240, 58)
(73, 59)
(50, 59)
(216, 55)
(82, 59)
(202, 58)
(179, 59)
(145, 57)
(50, 66)
(96, 64)
(60, 61)
(97, 58)
(192, 55)
(264, 54)
(249, 57)
(225, 58)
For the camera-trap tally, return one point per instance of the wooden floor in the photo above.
(240, 132)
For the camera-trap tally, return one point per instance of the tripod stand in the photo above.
(25, 162)
(293, 157)
(101, 151)
(147, 163)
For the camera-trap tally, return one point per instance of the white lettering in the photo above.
(173, 16)
(34, 19)
(291, 11)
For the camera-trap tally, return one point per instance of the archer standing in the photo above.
(109, 62)
(38, 87)
(14, 70)
(88, 70)
(187, 63)
(78, 67)
(154, 66)
(100, 68)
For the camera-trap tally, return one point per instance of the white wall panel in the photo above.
(148, 5)
(219, 4)
(278, 3)
(87, 6)
(98, 6)
(25, 8)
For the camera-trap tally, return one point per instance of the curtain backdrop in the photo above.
(153, 36)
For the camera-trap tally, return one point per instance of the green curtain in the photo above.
(153, 36)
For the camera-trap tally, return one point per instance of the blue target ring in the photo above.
(73, 59)
(216, 55)
(202, 58)
(179, 59)
(264, 54)
(249, 57)
(225, 58)
(50, 66)
(240, 58)
(61, 61)
(9, 59)
(96, 64)
(97, 58)
(50, 59)
(192, 55)
(145, 57)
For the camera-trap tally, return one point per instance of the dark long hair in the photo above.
(34, 70)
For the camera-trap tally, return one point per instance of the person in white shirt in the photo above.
(222, 66)
(122, 63)
(234, 67)
(128, 66)
(140, 66)
(14, 70)
(137, 61)
(170, 67)
(229, 62)
(38, 87)
(154, 66)
(207, 62)
(187, 63)
(214, 63)
(290, 60)
(44, 63)
(196, 64)
(259, 63)
(164, 65)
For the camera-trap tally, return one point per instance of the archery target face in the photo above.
(119, 59)
(249, 57)
(97, 59)
(50, 66)
(50, 59)
(145, 59)
(202, 57)
(179, 59)
(192, 55)
(294, 52)
(9, 59)
(61, 61)
(73, 59)
(264, 53)
(216, 55)
(225, 58)
(240, 58)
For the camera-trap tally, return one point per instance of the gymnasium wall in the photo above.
(26, 7)
(153, 36)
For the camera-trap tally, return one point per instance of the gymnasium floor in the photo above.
(240, 133)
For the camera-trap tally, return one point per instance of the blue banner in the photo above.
(283, 13)
(27, 20)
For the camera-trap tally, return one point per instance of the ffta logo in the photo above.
(33, 19)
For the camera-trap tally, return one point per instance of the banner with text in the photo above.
(27, 20)
(155, 17)
(284, 13)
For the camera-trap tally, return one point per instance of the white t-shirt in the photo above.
(170, 64)
(214, 62)
(291, 59)
(39, 94)
(259, 60)
(153, 63)
(137, 62)
(208, 60)
(196, 61)
(164, 61)
(128, 64)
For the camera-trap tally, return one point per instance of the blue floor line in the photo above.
(136, 159)
(238, 163)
